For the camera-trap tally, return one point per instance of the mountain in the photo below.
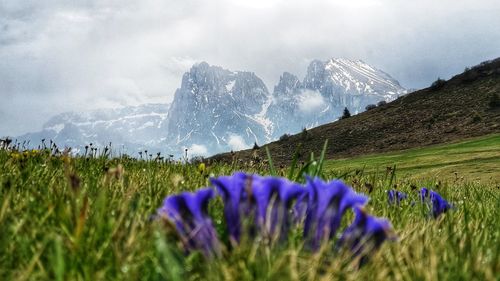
(467, 105)
(218, 110)
(326, 90)
(132, 127)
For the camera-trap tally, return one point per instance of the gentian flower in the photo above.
(300, 207)
(395, 196)
(327, 203)
(439, 204)
(424, 194)
(268, 199)
(274, 197)
(366, 233)
(236, 192)
(189, 213)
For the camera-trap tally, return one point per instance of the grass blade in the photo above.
(272, 170)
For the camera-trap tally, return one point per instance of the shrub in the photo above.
(284, 137)
(370, 107)
(381, 103)
(470, 75)
(476, 118)
(304, 134)
(438, 84)
(494, 100)
(345, 114)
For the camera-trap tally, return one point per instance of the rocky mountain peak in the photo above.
(287, 84)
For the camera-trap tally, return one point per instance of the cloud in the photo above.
(60, 55)
(310, 101)
(197, 150)
(236, 142)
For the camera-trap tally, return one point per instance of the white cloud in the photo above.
(197, 150)
(236, 142)
(310, 101)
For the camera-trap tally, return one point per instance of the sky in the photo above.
(58, 56)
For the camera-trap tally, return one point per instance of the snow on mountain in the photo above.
(219, 110)
(327, 88)
(132, 127)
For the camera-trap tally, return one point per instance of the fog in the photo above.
(57, 56)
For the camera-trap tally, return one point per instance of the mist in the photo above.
(57, 56)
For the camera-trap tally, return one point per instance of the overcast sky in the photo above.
(57, 56)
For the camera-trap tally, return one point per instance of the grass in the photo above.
(68, 218)
(472, 160)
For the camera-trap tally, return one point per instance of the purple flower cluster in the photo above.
(327, 203)
(188, 212)
(395, 197)
(439, 204)
(272, 205)
(426, 196)
(366, 233)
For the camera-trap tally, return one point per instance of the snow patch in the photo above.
(56, 128)
(230, 85)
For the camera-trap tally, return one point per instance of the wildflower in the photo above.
(267, 199)
(201, 168)
(395, 196)
(274, 197)
(424, 193)
(366, 233)
(439, 204)
(327, 203)
(189, 213)
(236, 194)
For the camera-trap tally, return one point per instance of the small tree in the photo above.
(345, 114)
(284, 137)
(370, 107)
(255, 145)
(438, 84)
(494, 101)
(381, 103)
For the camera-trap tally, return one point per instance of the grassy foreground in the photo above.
(90, 219)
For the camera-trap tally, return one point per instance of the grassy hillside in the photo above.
(473, 160)
(67, 218)
(468, 105)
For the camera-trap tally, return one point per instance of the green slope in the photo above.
(474, 159)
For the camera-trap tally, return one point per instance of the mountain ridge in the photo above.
(467, 105)
(217, 110)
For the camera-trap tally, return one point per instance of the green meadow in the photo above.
(472, 160)
(76, 218)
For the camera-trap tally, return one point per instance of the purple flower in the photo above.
(366, 233)
(274, 197)
(236, 193)
(300, 208)
(189, 213)
(395, 197)
(424, 194)
(439, 204)
(268, 199)
(327, 203)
